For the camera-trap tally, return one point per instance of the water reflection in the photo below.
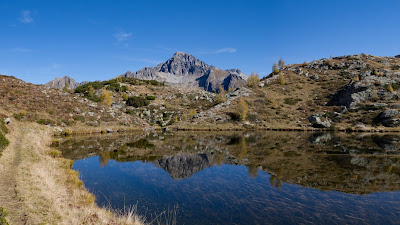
(207, 169)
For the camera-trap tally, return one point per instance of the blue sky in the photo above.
(98, 40)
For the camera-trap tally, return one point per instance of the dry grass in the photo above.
(42, 188)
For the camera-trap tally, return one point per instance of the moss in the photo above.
(3, 214)
(3, 142)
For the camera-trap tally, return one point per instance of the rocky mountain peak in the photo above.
(185, 70)
(182, 63)
(61, 82)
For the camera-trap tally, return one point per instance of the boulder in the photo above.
(388, 118)
(7, 120)
(109, 130)
(319, 121)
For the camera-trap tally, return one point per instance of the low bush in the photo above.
(3, 127)
(137, 101)
(150, 97)
(291, 101)
(45, 121)
(3, 142)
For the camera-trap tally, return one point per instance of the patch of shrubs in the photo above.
(3, 142)
(291, 101)
(137, 101)
(150, 97)
(3, 127)
(45, 121)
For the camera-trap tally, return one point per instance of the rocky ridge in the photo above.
(61, 82)
(185, 70)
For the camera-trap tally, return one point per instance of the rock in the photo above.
(318, 121)
(109, 130)
(315, 77)
(7, 120)
(388, 118)
(57, 129)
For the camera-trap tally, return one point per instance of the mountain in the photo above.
(59, 83)
(185, 70)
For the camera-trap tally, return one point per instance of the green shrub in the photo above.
(3, 127)
(137, 101)
(79, 118)
(150, 97)
(3, 215)
(3, 142)
(44, 121)
(291, 101)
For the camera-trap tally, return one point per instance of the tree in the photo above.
(66, 87)
(282, 79)
(275, 69)
(106, 96)
(220, 97)
(90, 91)
(253, 80)
(242, 109)
(281, 63)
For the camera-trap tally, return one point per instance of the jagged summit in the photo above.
(59, 83)
(185, 70)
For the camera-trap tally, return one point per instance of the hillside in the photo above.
(358, 92)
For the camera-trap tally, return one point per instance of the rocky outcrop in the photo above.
(369, 88)
(320, 121)
(59, 83)
(185, 70)
(388, 118)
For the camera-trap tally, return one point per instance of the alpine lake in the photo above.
(259, 177)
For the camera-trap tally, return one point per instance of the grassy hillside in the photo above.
(348, 92)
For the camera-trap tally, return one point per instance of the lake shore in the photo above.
(42, 188)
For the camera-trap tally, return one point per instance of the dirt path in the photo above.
(37, 187)
(9, 166)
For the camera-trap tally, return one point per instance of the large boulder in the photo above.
(388, 118)
(320, 121)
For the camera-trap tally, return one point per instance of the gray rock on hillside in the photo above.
(388, 118)
(368, 88)
(59, 83)
(184, 70)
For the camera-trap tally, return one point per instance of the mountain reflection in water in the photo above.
(245, 178)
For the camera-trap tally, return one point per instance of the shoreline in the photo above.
(123, 129)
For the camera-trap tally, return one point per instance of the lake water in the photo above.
(244, 177)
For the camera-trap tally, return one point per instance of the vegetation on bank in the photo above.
(3, 140)
(3, 214)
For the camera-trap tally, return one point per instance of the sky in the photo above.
(98, 40)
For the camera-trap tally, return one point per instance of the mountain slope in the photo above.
(59, 83)
(184, 70)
